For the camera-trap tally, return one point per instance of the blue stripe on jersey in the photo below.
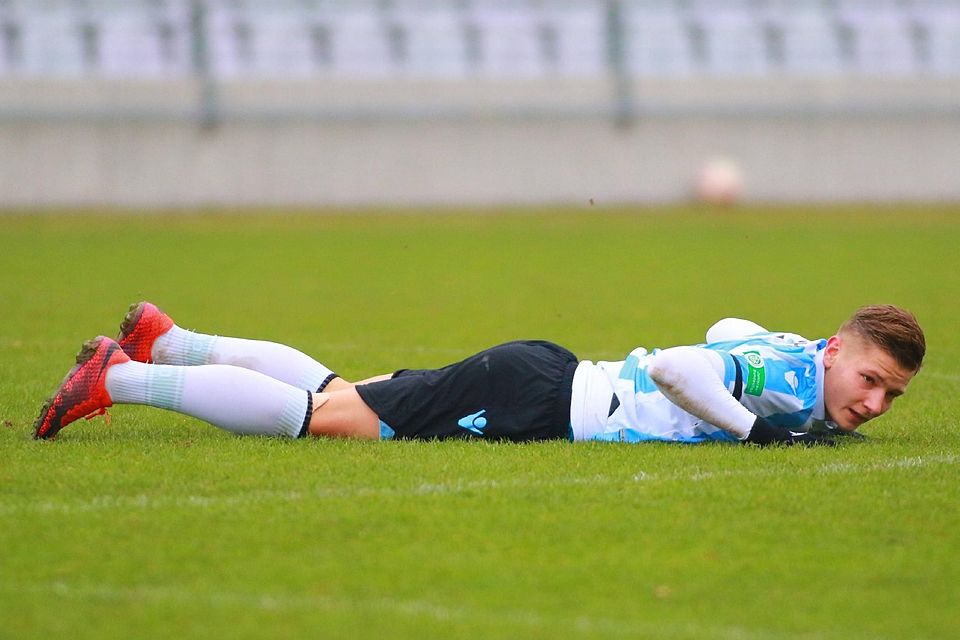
(629, 367)
(642, 382)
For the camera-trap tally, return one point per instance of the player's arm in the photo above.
(693, 379)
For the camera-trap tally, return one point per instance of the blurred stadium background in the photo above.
(185, 103)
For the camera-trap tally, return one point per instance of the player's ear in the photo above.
(831, 351)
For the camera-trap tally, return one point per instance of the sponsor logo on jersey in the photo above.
(756, 374)
(474, 422)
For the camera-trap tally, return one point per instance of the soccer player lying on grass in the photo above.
(744, 384)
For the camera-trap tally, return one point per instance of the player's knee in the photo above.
(343, 413)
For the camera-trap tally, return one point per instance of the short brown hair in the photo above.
(893, 329)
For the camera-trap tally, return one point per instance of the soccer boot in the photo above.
(82, 394)
(140, 328)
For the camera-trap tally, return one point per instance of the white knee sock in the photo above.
(182, 347)
(232, 398)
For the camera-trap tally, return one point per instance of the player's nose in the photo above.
(875, 403)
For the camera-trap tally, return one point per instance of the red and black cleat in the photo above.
(82, 394)
(140, 328)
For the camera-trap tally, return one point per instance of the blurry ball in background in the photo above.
(720, 181)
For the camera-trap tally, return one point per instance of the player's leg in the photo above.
(238, 400)
(235, 399)
(149, 335)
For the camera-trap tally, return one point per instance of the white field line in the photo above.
(284, 602)
(152, 503)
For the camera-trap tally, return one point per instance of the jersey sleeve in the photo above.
(694, 380)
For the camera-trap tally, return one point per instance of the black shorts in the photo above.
(517, 391)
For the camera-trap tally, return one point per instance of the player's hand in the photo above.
(764, 434)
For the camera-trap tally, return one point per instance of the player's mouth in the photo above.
(858, 418)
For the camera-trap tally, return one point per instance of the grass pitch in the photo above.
(158, 526)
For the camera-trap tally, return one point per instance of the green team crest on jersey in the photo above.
(755, 373)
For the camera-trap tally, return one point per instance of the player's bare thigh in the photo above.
(343, 413)
(339, 383)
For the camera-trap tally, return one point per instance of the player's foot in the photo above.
(140, 328)
(82, 394)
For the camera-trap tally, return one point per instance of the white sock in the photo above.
(232, 398)
(182, 347)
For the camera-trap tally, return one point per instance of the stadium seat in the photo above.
(11, 43)
(811, 44)
(658, 39)
(358, 39)
(429, 40)
(281, 42)
(881, 37)
(733, 38)
(507, 35)
(229, 39)
(939, 24)
(50, 40)
(572, 39)
(144, 43)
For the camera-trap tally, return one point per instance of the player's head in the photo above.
(869, 363)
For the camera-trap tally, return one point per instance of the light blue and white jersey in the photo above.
(778, 376)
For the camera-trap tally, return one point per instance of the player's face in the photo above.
(861, 380)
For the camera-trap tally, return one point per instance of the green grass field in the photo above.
(159, 526)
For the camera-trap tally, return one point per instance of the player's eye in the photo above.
(868, 379)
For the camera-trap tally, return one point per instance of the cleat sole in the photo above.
(130, 320)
